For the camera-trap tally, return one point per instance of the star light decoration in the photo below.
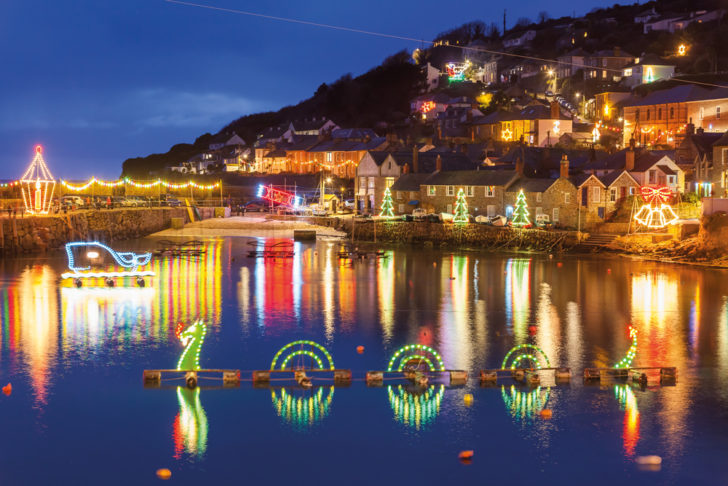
(37, 185)
(656, 213)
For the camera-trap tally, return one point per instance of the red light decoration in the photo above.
(269, 193)
(427, 106)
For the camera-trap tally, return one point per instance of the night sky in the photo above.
(98, 81)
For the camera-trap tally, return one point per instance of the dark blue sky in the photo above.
(98, 81)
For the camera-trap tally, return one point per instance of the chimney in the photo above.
(555, 110)
(700, 131)
(690, 128)
(564, 173)
(415, 164)
(617, 51)
(438, 163)
(405, 169)
(629, 157)
(519, 166)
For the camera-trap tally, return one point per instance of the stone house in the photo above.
(484, 190)
(619, 185)
(648, 168)
(591, 198)
(554, 197)
(379, 170)
(406, 192)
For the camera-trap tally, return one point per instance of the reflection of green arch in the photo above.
(415, 351)
(525, 404)
(311, 353)
(524, 348)
(415, 410)
(302, 412)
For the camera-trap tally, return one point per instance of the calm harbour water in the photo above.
(79, 413)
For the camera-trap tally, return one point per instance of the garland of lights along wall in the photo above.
(132, 187)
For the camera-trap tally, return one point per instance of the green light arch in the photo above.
(525, 351)
(300, 352)
(418, 351)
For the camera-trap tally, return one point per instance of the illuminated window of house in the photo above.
(701, 113)
(431, 190)
(628, 72)
(329, 157)
(450, 190)
(389, 181)
(596, 194)
(371, 183)
(631, 191)
(613, 194)
(489, 191)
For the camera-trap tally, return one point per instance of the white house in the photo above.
(646, 70)
(520, 39)
(223, 139)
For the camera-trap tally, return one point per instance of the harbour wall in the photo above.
(439, 234)
(35, 234)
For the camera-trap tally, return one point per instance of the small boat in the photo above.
(86, 259)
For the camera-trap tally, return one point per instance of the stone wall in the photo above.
(444, 234)
(42, 233)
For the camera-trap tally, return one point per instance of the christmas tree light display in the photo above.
(37, 185)
(461, 209)
(656, 213)
(387, 206)
(520, 214)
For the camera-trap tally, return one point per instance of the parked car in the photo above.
(543, 221)
(170, 201)
(255, 206)
(122, 202)
(419, 214)
(72, 201)
(136, 201)
(433, 218)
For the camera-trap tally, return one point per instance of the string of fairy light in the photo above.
(421, 41)
(140, 185)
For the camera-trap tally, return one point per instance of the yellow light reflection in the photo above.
(631, 430)
(518, 296)
(385, 294)
(305, 410)
(415, 408)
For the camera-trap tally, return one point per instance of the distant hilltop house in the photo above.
(705, 158)
(222, 139)
(285, 132)
(607, 64)
(676, 22)
(228, 158)
(519, 39)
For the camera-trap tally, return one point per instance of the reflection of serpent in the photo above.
(192, 338)
(415, 409)
(628, 402)
(190, 425)
(302, 411)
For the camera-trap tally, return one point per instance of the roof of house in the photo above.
(531, 185)
(222, 137)
(546, 162)
(651, 60)
(427, 161)
(378, 156)
(344, 145)
(409, 182)
(611, 53)
(353, 133)
(666, 169)
(578, 52)
(579, 179)
(643, 161)
(472, 178)
(310, 124)
(275, 153)
(722, 141)
(703, 142)
(302, 142)
(609, 178)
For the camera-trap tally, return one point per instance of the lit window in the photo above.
(489, 191)
(631, 191)
(450, 190)
(701, 113)
(431, 190)
(613, 194)
(596, 194)
(628, 72)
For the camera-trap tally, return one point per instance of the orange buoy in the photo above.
(559, 264)
(532, 330)
(468, 399)
(609, 270)
(360, 349)
(546, 413)
(8, 389)
(466, 457)
(164, 473)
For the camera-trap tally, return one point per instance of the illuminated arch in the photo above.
(530, 352)
(626, 362)
(420, 352)
(303, 411)
(314, 352)
(415, 409)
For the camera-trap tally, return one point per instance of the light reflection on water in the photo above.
(471, 307)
